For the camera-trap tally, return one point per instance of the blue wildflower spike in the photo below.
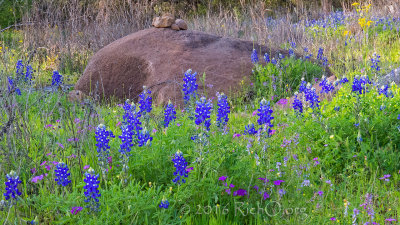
(19, 70)
(180, 164)
(12, 191)
(386, 91)
(265, 115)
(103, 138)
(145, 101)
(249, 129)
(144, 138)
(311, 97)
(342, 81)
(169, 114)
(62, 174)
(12, 87)
(375, 62)
(164, 203)
(320, 54)
(189, 87)
(297, 105)
(360, 84)
(131, 119)
(92, 192)
(28, 74)
(223, 111)
(254, 56)
(266, 58)
(303, 85)
(127, 141)
(326, 85)
(57, 79)
(203, 113)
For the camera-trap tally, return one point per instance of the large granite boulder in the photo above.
(158, 58)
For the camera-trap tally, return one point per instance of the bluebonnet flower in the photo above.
(164, 204)
(342, 81)
(102, 139)
(337, 108)
(324, 61)
(19, 69)
(266, 58)
(144, 138)
(57, 79)
(249, 129)
(312, 97)
(359, 138)
(326, 85)
(62, 174)
(254, 56)
(359, 84)
(28, 74)
(180, 164)
(223, 111)
(307, 56)
(131, 119)
(92, 193)
(303, 85)
(291, 52)
(365, 80)
(265, 115)
(127, 141)
(320, 54)
(384, 90)
(375, 61)
(169, 114)
(297, 105)
(273, 61)
(12, 86)
(382, 107)
(145, 101)
(189, 86)
(11, 183)
(203, 111)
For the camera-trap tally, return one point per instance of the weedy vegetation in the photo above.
(277, 151)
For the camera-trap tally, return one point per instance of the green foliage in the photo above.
(11, 11)
(336, 136)
(281, 80)
(319, 146)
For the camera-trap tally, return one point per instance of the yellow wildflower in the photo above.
(355, 4)
(361, 22)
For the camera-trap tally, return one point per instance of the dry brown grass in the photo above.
(70, 28)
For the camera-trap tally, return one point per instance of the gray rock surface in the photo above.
(393, 76)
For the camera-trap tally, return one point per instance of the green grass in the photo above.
(319, 146)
